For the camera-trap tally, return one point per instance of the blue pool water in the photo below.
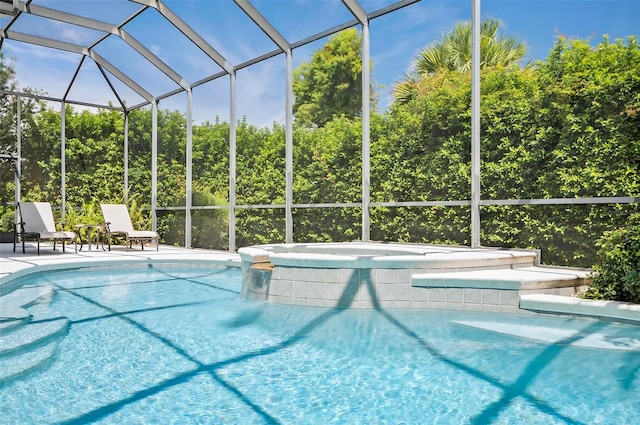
(174, 345)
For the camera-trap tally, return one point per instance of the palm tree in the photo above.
(452, 52)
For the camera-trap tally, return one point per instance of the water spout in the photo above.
(255, 283)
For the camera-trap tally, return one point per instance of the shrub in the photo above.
(617, 276)
(7, 219)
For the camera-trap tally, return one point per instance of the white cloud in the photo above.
(42, 68)
(27, 52)
(155, 50)
(261, 92)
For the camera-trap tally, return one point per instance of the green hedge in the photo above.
(617, 274)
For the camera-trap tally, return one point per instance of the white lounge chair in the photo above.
(117, 221)
(36, 221)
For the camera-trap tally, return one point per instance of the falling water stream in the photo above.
(256, 278)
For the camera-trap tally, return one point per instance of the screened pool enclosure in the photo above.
(214, 63)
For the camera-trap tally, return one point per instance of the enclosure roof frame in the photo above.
(20, 8)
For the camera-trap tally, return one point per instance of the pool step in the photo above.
(25, 296)
(13, 312)
(29, 335)
(12, 317)
(44, 326)
(518, 279)
(578, 306)
(26, 362)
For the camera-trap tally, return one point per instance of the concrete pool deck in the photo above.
(474, 284)
(16, 264)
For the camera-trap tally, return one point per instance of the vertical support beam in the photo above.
(126, 156)
(188, 160)
(475, 125)
(289, 149)
(366, 106)
(361, 15)
(154, 165)
(232, 161)
(63, 157)
(18, 162)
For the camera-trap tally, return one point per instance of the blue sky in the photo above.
(395, 40)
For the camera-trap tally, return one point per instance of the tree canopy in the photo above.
(453, 51)
(331, 83)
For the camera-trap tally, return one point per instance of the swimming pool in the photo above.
(162, 344)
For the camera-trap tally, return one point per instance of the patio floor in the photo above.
(17, 263)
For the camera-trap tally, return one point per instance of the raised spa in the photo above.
(372, 275)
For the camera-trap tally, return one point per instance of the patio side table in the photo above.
(90, 227)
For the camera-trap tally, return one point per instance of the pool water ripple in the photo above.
(177, 345)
